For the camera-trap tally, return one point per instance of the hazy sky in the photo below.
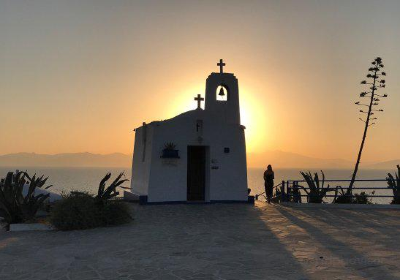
(79, 76)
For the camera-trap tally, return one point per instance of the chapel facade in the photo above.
(197, 156)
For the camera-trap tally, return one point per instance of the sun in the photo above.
(254, 117)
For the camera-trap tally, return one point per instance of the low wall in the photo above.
(340, 206)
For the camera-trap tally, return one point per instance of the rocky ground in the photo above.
(219, 241)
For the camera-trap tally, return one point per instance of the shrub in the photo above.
(115, 213)
(362, 198)
(346, 198)
(83, 211)
(343, 197)
(76, 211)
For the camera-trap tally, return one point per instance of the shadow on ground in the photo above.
(358, 242)
(219, 241)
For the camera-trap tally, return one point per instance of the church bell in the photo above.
(221, 92)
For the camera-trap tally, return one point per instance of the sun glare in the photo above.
(184, 101)
(253, 117)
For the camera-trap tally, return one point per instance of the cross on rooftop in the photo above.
(198, 99)
(221, 65)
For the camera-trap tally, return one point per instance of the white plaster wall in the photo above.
(229, 182)
(168, 180)
(140, 168)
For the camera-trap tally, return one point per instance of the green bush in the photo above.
(115, 213)
(345, 198)
(82, 211)
(75, 211)
(362, 198)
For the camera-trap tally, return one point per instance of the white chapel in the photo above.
(197, 156)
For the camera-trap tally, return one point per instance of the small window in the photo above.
(222, 93)
(227, 150)
(199, 126)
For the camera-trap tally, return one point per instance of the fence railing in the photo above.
(274, 191)
(294, 190)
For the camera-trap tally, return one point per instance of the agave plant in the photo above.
(394, 184)
(32, 202)
(14, 206)
(316, 190)
(11, 188)
(342, 196)
(169, 146)
(105, 193)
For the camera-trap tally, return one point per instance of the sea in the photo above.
(87, 179)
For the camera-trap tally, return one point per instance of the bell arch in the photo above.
(222, 93)
(222, 96)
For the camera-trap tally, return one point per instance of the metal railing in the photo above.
(295, 190)
(277, 187)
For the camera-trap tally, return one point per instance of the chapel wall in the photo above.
(168, 180)
(142, 157)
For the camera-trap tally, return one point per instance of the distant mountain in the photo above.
(281, 159)
(66, 160)
(388, 165)
(278, 159)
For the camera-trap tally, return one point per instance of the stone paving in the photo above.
(220, 241)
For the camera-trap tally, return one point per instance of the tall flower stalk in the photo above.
(375, 81)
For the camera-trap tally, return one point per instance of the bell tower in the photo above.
(222, 96)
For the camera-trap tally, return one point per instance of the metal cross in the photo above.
(221, 65)
(199, 99)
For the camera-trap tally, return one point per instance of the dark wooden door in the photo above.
(196, 173)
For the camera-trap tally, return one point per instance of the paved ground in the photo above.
(215, 242)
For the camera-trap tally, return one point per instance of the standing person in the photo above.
(269, 182)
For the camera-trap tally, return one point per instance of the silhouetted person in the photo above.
(269, 183)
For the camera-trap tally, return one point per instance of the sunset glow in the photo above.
(255, 118)
(253, 115)
(215, 139)
(82, 79)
